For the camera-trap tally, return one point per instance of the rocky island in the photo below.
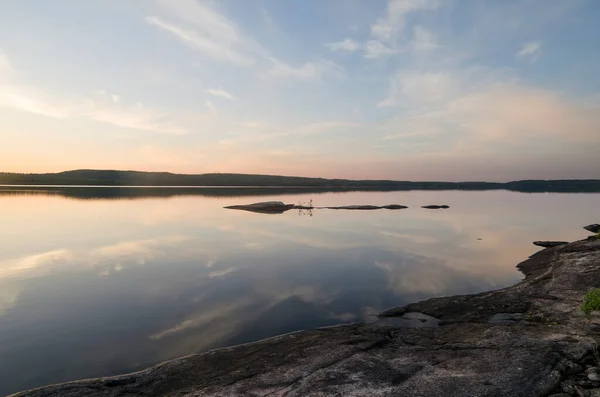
(278, 207)
(531, 339)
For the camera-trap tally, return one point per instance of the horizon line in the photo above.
(293, 176)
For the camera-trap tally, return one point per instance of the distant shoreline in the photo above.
(138, 179)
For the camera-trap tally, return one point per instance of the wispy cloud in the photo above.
(387, 29)
(205, 28)
(308, 71)
(32, 100)
(386, 33)
(347, 45)
(203, 43)
(211, 106)
(5, 67)
(321, 127)
(102, 106)
(423, 40)
(531, 50)
(376, 49)
(136, 117)
(220, 93)
(107, 110)
(9, 268)
(221, 273)
(487, 115)
(408, 88)
(250, 124)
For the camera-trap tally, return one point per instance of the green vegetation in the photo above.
(591, 301)
(136, 178)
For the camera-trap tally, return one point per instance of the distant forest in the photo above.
(138, 178)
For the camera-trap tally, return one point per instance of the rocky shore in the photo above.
(527, 340)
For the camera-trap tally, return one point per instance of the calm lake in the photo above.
(96, 281)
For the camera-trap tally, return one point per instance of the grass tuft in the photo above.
(591, 301)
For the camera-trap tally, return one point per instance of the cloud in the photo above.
(213, 24)
(513, 113)
(134, 252)
(135, 117)
(322, 127)
(531, 50)
(222, 316)
(211, 107)
(5, 67)
(250, 124)
(203, 44)
(220, 93)
(375, 49)
(308, 71)
(319, 128)
(388, 28)
(33, 100)
(102, 107)
(408, 88)
(221, 273)
(9, 295)
(423, 40)
(386, 32)
(462, 118)
(347, 45)
(205, 28)
(10, 268)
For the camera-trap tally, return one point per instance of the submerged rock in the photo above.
(368, 207)
(266, 207)
(355, 207)
(394, 207)
(525, 340)
(435, 207)
(549, 244)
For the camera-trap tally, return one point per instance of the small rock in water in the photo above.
(594, 228)
(549, 244)
(355, 207)
(394, 207)
(267, 207)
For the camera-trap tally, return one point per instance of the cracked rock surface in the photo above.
(527, 340)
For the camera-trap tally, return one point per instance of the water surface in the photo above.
(96, 282)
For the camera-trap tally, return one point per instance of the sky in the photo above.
(447, 90)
